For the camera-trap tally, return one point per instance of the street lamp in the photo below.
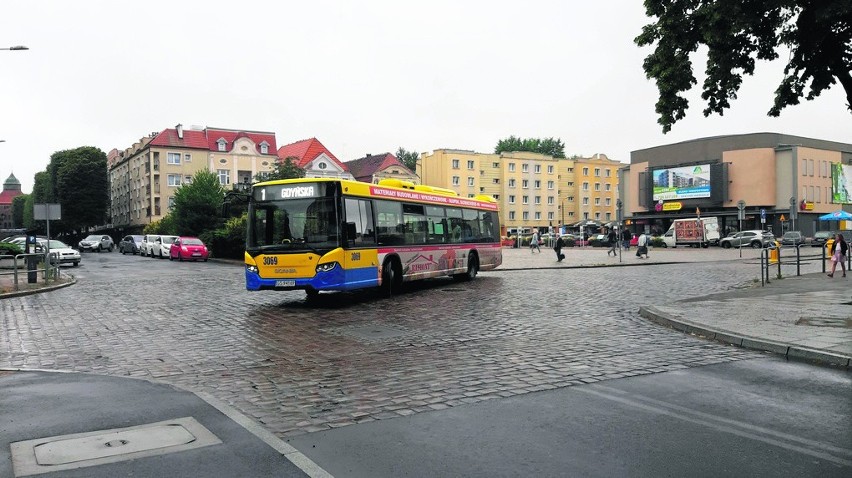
(16, 47)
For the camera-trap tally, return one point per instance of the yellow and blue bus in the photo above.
(321, 234)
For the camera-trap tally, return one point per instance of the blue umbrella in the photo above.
(836, 216)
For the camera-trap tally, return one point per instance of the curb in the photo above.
(788, 351)
(20, 293)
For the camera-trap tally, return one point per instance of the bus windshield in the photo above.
(293, 225)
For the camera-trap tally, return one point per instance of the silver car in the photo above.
(97, 242)
(754, 238)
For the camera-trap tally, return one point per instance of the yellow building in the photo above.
(534, 190)
(144, 177)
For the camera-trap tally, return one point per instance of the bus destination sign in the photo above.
(286, 191)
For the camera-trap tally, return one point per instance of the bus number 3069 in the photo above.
(270, 261)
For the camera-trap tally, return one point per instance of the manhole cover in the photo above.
(825, 322)
(66, 452)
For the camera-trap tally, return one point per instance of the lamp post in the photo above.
(15, 48)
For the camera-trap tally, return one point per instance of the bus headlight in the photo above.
(326, 267)
(252, 269)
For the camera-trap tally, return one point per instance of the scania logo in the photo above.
(285, 271)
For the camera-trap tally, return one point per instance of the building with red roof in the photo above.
(317, 161)
(374, 168)
(144, 176)
(11, 190)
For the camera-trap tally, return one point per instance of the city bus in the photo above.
(323, 234)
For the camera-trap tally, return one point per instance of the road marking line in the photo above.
(720, 427)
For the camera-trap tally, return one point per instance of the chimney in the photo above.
(179, 129)
(368, 155)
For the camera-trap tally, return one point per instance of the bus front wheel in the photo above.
(472, 268)
(391, 276)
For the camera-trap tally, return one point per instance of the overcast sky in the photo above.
(362, 76)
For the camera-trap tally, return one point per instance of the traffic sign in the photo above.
(762, 216)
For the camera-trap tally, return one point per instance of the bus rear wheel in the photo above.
(391, 276)
(472, 268)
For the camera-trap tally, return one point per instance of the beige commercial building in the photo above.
(534, 190)
(145, 176)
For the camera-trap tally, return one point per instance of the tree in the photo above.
(549, 146)
(29, 223)
(81, 186)
(736, 32)
(285, 169)
(18, 204)
(408, 158)
(198, 205)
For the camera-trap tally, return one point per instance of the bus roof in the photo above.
(398, 190)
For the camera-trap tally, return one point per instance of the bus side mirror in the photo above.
(351, 231)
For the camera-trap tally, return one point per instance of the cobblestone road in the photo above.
(354, 358)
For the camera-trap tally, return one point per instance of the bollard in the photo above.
(798, 261)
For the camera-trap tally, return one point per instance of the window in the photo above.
(456, 181)
(570, 213)
(537, 169)
(570, 170)
(609, 216)
(469, 164)
(585, 216)
(264, 148)
(224, 176)
(585, 201)
(322, 165)
(455, 164)
(598, 172)
(570, 198)
(187, 179)
(173, 158)
(171, 202)
(818, 194)
(526, 199)
(511, 167)
(187, 158)
(550, 216)
(810, 167)
(804, 193)
(607, 187)
(550, 185)
(537, 184)
(526, 216)
(511, 182)
(585, 186)
(549, 169)
(804, 167)
(597, 201)
(811, 197)
(469, 181)
(609, 201)
(221, 143)
(174, 180)
(525, 184)
(537, 215)
(495, 165)
(607, 173)
(511, 214)
(598, 216)
(538, 199)
(525, 168)
(585, 171)
(511, 199)
(550, 200)
(597, 186)
(495, 181)
(360, 212)
(570, 184)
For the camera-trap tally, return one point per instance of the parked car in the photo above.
(162, 246)
(752, 238)
(61, 251)
(188, 249)
(131, 244)
(792, 238)
(148, 243)
(97, 242)
(820, 237)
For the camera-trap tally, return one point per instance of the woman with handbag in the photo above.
(838, 254)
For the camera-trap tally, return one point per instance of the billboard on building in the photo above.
(841, 178)
(686, 182)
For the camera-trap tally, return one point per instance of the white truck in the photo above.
(698, 232)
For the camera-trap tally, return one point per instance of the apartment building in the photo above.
(144, 177)
(534, 190)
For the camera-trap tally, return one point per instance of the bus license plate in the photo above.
(285, 283)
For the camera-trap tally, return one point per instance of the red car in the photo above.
(188, 249)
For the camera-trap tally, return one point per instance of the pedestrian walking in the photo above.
(625, 239)
(838, 254)
(642, 249)
(557, 246)
(612, 237)
(534, 242)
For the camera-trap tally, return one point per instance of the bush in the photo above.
(229, 241)
(657, 242)
(7, 249)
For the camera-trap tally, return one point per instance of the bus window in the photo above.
(415, 224)
(436, 225)
(487, 221)
(455, 225)
(360, 212)
(470, 226)
(389, 225)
